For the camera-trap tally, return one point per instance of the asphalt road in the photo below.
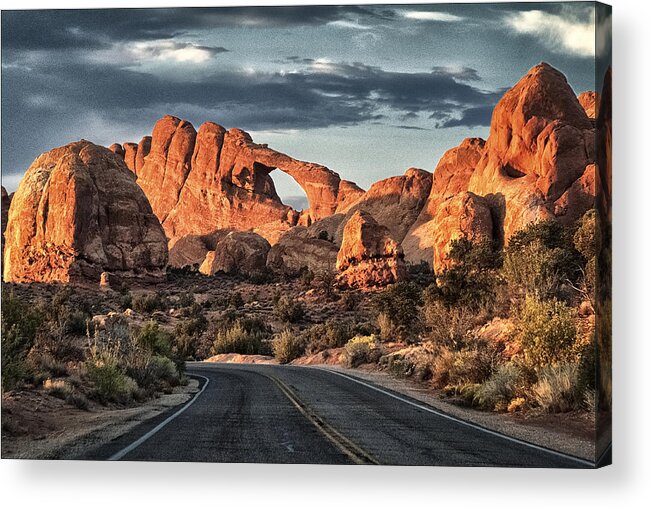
(284, 414)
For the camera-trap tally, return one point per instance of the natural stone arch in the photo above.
(216, 178)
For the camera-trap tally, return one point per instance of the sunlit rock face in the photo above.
(369, 256)
(215, 178)
(77, 213)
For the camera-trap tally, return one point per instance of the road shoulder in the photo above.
(563, 433)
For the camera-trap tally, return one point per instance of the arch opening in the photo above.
(289, 191)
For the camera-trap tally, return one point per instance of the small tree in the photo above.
(400, 303)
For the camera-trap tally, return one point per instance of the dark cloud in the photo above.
(98, 28)
(471, 117)
(85, 96)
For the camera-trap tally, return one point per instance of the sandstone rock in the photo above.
(239, 252)
(298, 249)
(213, 179)
(463, 215)
(589, 102)
(117, 149)
(77, 213)
(191, 250)
(541, 141)
(167, 165)
(451, 177)
(395, 202)
(144, 147)
(130, 154)
(369, 256)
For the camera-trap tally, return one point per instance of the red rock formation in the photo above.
(299, 249)
(117, 149)
(463, 215)
(77, 213)
(395, 202)
(450, 178)
(199, 182)
(238, 252)
(589, 102)
(369, 256)
(191, 250)
(541, 141)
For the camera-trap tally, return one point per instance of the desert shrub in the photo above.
(185, 299)
(154, 339)
(362, 349)
(288, 310)
(324, 280)
(146, 303)
(457, 368)
(287, 346)
(20, 324)
(350, 300)
(584, 239)
(331, 334)
(126, 301)
(448, 326)
(546, 332)
(557, 388)
(471, 277)
(75, 322)
(235, 300)
(188, 336)
(421, 273)
(305, 276)
(541, 260)
(500, 388)
(397, 308)
(63, 390)
(110, 384)
(238, 340)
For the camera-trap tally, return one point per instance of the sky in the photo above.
(368, 91)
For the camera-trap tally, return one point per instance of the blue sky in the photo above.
(368, 91)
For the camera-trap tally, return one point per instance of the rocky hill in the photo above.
(538, 163)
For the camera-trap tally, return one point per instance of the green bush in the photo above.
(110, 384)
(557, 389)
(540, 260)
(154, 339)
(547, 332)
(20, 324)
(331, 334)
(500, 388)
(399, 307)
(287, 346)
(238, 340)
(362, 349)
(75, 322)
(288, 310)
(146, 303)
(472, 276)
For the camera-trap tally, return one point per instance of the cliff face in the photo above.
(77, 213)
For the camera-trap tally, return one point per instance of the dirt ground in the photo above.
(36, 425)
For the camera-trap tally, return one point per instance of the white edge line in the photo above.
(462, 422)
(119, 455)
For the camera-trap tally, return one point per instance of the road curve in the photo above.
(285, 414)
